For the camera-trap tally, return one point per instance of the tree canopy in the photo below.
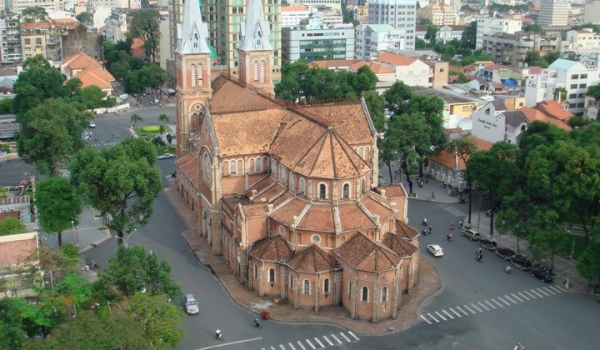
(11, 226)
(58, 204)
(145, 25)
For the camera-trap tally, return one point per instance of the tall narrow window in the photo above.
(306, 287)
(364, 295)
(193, 73)
(302, 186)
(326, 286)
(362, 186)
(292, 281)
(350, 289)
(256, 71)
(322, 191)
(263, 68)
(200, 75)
(258, 165)
(271, 275)
(361, 152)
(255, 271)
(346, 191)
(384, 294)
(232, 167)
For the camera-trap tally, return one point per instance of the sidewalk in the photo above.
(428, 284)
(564, 268)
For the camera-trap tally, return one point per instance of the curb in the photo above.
(96, 243)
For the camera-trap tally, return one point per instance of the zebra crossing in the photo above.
(491, 304)
(452, 210)
(321, 342)
(104, 144)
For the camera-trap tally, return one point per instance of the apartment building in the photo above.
(554, 13)
(371, 39)
(444, 33)
(488, 26)
(411, 71)
(292, 16)
(591, 13)
(439, 13)
(314, 42)
(116, 27)
(334, 4)
(10, 39)
(582, 41)
(17, 6)
(512, 49)
(400, 14)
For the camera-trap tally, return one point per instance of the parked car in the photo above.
(488, 243)
(92, 124)
(435, 250)
(191, 305)
(505, 253)
(542, 274)
(522, 262)
(471, 233)
(166, 156)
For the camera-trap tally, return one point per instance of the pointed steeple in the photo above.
(255, 32)
(193, 33)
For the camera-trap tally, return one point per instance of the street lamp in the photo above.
(126, 240)
(76, 233)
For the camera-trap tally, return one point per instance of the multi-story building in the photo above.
(591, 13)
(291, 201)
(117, 27)
(78, 39)
(400, 14)
(573, 76)
(17, 6)
(163, 53)
(582, 41)
(411, 71)
(224, 25)
(46, 39)
(438, 13)
(512, 49)
(334, 4)
(11, 39)
(444, 33)
(554, 13)
(488, 26)
(371, 39)
(292, 15)
(313, 42)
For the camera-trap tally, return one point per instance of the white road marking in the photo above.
(531, 295)
(512, 301)
(426, 320)
(309, 343)
(478, 309)
(327, 340)
(457, 314)
(523, 295)
(468, 308)
(336, 338)
(353, 335)
(557, 288)
(536, 293)
(440, 315)
(542, 291)
(549, 290)
(435, 319)
(502, 300)
(516, 297)
(461, 310)
(291, 346)
(231, 343)
(492, 299)
(345, 337)
(490, 304)
(282, 347)
(444, 311)
(319, 342)
(302, 346)
(273, 348)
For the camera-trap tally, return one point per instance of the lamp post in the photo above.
(76, 233)
(126, 240)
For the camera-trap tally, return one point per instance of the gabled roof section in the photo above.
(395, 59)
(78, 61)
(364, 254)
(96, 77)
(406, 231)
(194, 31)
(274, 248)
(230, 97)
(349, 120)
(312, 260)
(399, 245)
(554, 110)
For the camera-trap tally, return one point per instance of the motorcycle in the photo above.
(519, 347)
(424, 232)
(424, 222)
(479, 257)
(449, 237)
(257, 324)
(219, 335)
(508, 270)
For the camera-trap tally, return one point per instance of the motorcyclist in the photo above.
(508, 269)
(449, 236)
(219, 334)
(256, 323)
(452, 226)
(460, 224)
(424, 222)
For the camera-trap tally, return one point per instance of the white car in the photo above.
(166, 156)
(435, 250)
(191, 305)
(92, 124)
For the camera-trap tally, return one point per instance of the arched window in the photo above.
(346, 191)
(350, 289)
(292, 281)
(306, 287)
(384, 294)
(193, 73)
(200, 75)
(255, 271)
(258, 165)
(232, 167)
(256, 71)
(363, 185)
(281, 230)
(302, 186)
(364, 295)
(322, 191)
(326, 286)
(263, 68)
(361, 152)
(271, 275)
(292, 180)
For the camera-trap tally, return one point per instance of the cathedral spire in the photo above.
(255, 32)
(193, 33)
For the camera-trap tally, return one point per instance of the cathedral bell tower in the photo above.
(193, 89)
(255, 54)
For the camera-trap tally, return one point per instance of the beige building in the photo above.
(582, 41)
(512, 49)
(291, 202)
(17, 6)
(439, 13)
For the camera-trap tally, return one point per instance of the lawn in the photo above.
(147, 132)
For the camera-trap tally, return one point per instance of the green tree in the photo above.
(50, 134)
(547, 234)
(54, 263)
(364, 80)
(38, 81)
(462, 78)
(34, 14)
(463, 147)
(6, 106)
(469, 36)
(135, 118)
(376, 105)
(533, 28)
(84, 18)
(12, 226)
(431, 34)
(494, 171)
(588, 262)
(122, 182)
(93, 97)
(163, 118)
(12, 334)
(59, 205)
(515, 216)
(153, 76)
(145, 25)
(161, 321)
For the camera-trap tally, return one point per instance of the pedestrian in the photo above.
(432, 194)
(451, 226)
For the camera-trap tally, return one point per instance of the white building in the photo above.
(554, 13)
(292, 15)
(411, 71)
(334, 4)
(400, 14)
(444, 33)
(371, 39)
(582, 41)
(116, 27)
(488, 25)
(574, 76)
(17, 6)
(317, 42)
(99, 16)
(592, 12)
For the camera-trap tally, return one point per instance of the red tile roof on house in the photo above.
(293, 8)
(535, 70)
(554, 110)
(533, 114)
(395, 59)
(88, 70)
(449, 160)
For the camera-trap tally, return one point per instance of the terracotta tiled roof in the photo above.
(392, 191)
(533, 114)
(274, 248)
(535, 70)
(376, 206)
(312, 259)
(137, 48)
(353, 218)
(66, 23)
(190, 169)
(364, 254)
(230, 97)
(448, 159)
(96, 77)
(348, 119)
(406, 231)
(286, 212)
(293, 8)
(395, 59)
(375, 68)
(185, 159)
(554, 110)
(333, 63)
(77, 61)
(31, 26)
(318, 218)
(399, 245)
(255, 210)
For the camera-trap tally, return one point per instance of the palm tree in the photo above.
(163, 118)
(135, 118)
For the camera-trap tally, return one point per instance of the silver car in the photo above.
(191, 305)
